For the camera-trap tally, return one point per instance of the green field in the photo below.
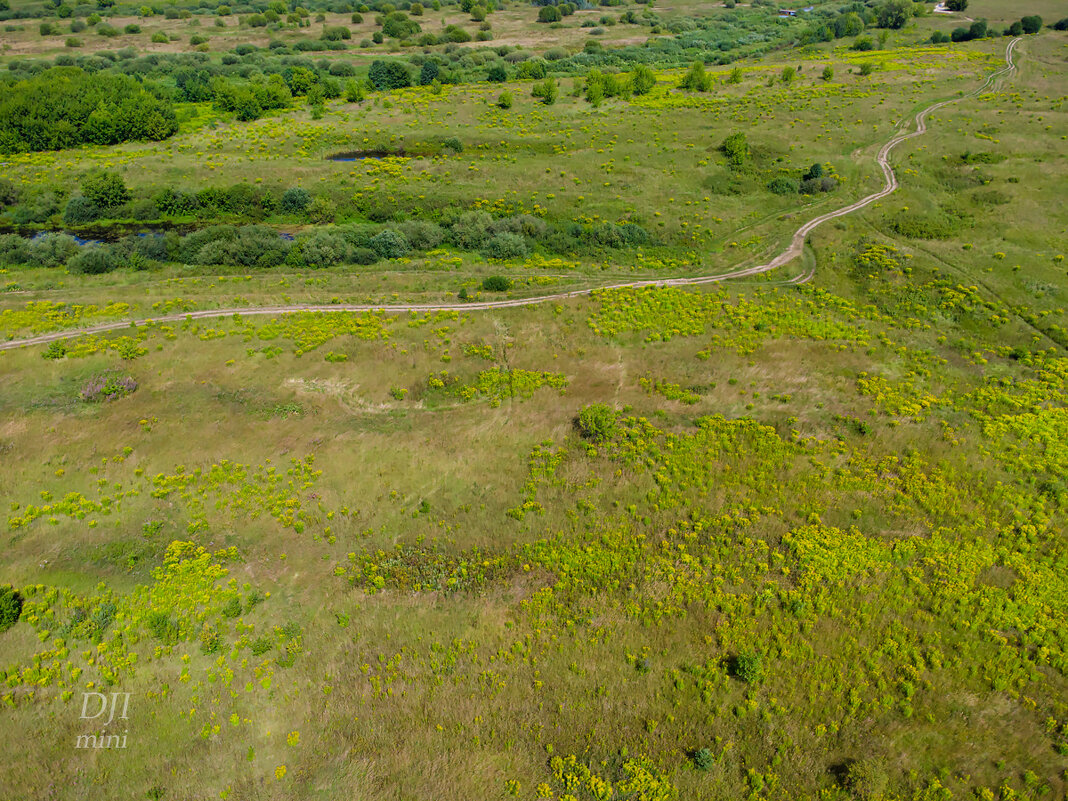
(793, 534)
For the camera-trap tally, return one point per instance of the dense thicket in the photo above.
(65, 107)
(261, 246)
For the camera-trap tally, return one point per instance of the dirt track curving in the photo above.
(794, 250)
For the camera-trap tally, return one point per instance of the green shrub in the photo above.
(66, 106)
(695, 80)
(470, 230)
(247, 246)
(894, 14)
(354, 92)
(549, 14)
(390, 244)
(748, 667)
(505, 100)
(335, 33)
(546, 91)
(783, 186)
(736, 149)
(322, 210)
(9, 193)
(634, 234)
(163, 627)
(867, 779)
(295, 200)
(106, 189)
(642, 80)
(320, 249)
(363, 256)
(917, 225)
(10, 607)
(95, 260)
(421, 235)
(232, 608)
(702, 759)
(597, 422)
(80, 210)
(1031, 24)
(209, 640)
(497, 283)
(505, 246)
(49, 250)
(385, 75)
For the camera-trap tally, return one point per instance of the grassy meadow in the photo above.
(749, 540)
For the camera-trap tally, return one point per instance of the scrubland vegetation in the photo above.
(797, 535)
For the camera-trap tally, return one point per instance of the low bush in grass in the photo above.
(505, 246)
(597, 422)
(390, 244)
(748, 667)
(80, 210)
(107, 387)
(10, 607)
(95, 260)
(295, 200)
(497, 283)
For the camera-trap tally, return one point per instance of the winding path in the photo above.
(794, 250)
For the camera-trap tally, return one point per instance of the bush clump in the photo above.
(702, 759)
(364, 256)
(497, 283)
(783, 186)
(66, 106)
(748, 667)
(736, 149)
(80, 210)
(106, 189)
(10, 607)
(505, 246)
(295, 200)
(94, 260)
(597, 422)
(390, 244)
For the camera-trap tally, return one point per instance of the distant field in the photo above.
(798, 535)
